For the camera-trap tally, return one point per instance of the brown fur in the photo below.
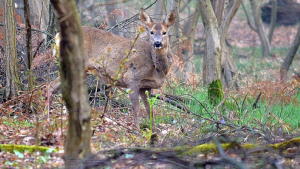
(144, 69)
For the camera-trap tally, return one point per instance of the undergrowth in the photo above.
(242, 109)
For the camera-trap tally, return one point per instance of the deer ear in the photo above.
(170, 20)
(145, 18)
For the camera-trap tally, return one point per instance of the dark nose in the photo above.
(157, 44)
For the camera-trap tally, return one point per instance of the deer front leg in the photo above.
(134, 98)
(146, 103)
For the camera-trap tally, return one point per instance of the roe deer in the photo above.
(139, 66)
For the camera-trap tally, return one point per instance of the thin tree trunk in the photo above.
(273, 20)
(266, 49)
(10, 50)
(51, 23)
(290, 57)
(28, 43)
(188, 52)
(77, 145)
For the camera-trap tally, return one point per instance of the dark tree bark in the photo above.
(51, 23)
(28, 43)
(290, 57)
(10, 50)
(77, 145)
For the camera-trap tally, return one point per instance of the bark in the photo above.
(10, 50)
(216, 23)
(218, 6)
(40, 14)
(212, 58)
(51, 23)
(266, 49)
(228, 66)
(273, 20)
(290, 57)
(28, 43)
(77, 145)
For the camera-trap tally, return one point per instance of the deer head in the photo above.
(158, 31)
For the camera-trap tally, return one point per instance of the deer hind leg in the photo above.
(144, 97)
(134, 98)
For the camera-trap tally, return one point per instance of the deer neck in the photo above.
(161, 59)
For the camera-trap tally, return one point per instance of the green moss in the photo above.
(212, 148)
(23, 148)
(215, 92)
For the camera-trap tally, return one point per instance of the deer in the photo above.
(140, 66)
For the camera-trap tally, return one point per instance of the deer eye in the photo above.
(164, 33)
(151, 32)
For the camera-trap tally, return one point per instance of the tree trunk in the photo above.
(212, 58)
(51, 23)
(188, 52)
(10, 50)
(228, 66)
(40, 14)
(77, 145)
(290, 57)
(266, 49)
(28, 43)
(273, 20)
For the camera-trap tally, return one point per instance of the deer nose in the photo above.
(157, 44)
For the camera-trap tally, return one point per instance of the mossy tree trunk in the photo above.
(77, 144)
(10, 50)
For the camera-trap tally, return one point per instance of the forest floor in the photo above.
(261, 113)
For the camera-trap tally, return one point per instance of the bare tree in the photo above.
(77, 145)
(10, 50)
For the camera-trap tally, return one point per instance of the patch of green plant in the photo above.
(17, 123)
(240, 111)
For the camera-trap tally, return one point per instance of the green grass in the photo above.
(16, 123)
(240, 112)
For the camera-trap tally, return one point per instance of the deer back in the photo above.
(107, 54)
